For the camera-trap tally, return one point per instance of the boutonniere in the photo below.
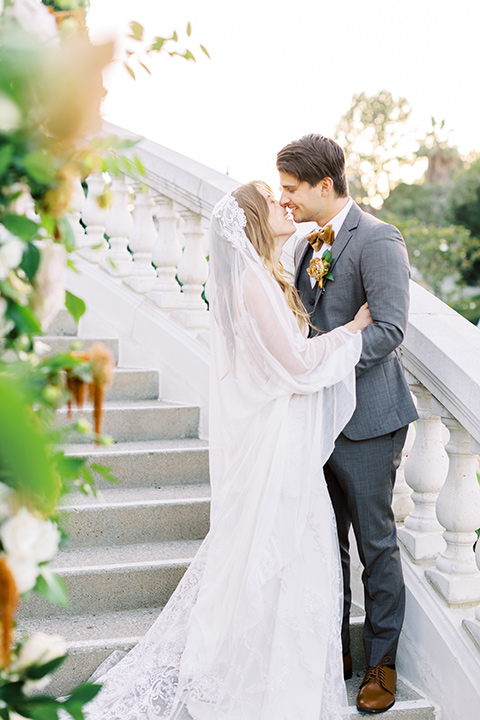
(319, 268)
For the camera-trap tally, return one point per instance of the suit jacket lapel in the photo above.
(340, 243)
(300, 252)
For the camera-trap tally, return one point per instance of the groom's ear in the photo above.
(325, 186)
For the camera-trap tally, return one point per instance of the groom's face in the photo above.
(306, 202)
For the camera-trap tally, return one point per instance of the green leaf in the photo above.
(175, 36)
(158, 44)
(189, 29)
(24, 319)
(139, 165)
(36, 672)
(52, 587)
(129, 70)
(145, 67)
(20, 226)
(137, 31)
(189, 56)
(75, 305)
(39, 165)
(104, 471)
(6, 153)
(32, 473)
(84, 693)
(79, 697)
(30, 260)
(69, 466)
(204, 50)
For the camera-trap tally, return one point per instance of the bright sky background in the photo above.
(283, 68)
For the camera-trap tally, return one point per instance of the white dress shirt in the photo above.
(336, 223)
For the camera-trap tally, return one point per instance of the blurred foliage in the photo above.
(436, 252)
(144, 47)
(465, 197)
(370, 133)
(62, 5)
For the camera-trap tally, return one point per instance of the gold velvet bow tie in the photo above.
(325, 235)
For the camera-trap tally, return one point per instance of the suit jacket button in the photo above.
(311, 302)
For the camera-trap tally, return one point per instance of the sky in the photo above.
(282, 68)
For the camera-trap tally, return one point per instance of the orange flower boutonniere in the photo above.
(319, 268)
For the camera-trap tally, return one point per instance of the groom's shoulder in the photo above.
(375, 228)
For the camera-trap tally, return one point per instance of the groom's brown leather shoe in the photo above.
(347, 666)
(377, 691)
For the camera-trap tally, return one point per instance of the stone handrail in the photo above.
(157, 247)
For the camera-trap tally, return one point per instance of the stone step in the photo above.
(133, 384)
(139, 420)
(130, 516)
(119, 578)
(62, 324)
(59, 344)
(91, 638)
(154, 463)
(420, 709)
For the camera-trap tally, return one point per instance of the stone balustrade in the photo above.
(157, 247)
(157, 239)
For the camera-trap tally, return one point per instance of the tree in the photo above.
(443, 159)
(371, 133)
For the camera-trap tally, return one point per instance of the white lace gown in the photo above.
(253, 630)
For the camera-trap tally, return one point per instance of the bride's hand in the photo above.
(361, 319)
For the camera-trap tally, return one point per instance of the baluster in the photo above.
(456, 575)
(167, 253)
(95, 246)
(118, 260)
(402, 501)
(425, 472)
(192, 273)
(142, 274)
(76, 205)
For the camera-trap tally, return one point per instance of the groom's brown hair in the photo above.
(313, 158)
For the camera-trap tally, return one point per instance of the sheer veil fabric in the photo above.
(253, 630)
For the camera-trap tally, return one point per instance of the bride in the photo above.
(253, 630)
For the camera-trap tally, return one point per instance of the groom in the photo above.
(366, 261)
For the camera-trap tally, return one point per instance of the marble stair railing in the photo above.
(441, 467)
(146, 247)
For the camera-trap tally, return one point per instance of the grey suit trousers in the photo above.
(360, 476)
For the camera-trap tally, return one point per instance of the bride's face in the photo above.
(279, 220)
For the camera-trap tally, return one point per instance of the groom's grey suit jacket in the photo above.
(369, 263)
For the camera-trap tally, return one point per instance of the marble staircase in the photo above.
(128, 549)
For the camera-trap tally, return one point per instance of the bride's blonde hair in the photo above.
(262, 237)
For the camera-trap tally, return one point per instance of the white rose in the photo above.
(50, 282)
(24, 571)
(6, 492)
(11, 252)
(10, 115)
(46, 545)
(38, 649)
(35, 18)
(25, 536)
(20, 533)
(35, 686)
